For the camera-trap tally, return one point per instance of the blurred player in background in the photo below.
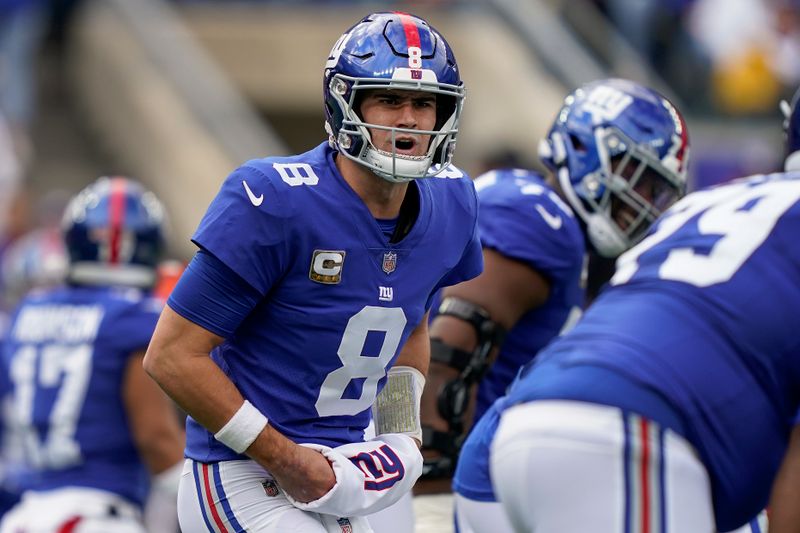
(36, 259)
(312, 283)
(98, 434)
(617, 151)
(670, 405)
(784, 515)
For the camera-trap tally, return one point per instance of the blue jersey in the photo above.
(702, 314)
(338, 298)
(523, 219)
(64, 357)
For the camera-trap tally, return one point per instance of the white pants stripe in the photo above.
(644, 475)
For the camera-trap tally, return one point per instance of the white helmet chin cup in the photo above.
(605, 236)
(396, 168)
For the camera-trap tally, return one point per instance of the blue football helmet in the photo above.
(37, 259)
(791, 131)
(114, 234)
(619, 152)
(394, 51)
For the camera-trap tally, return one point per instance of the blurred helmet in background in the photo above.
(619, 152)
(791, 132)
(114, 234)
(35, 259)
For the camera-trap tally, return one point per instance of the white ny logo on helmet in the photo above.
(606, 103)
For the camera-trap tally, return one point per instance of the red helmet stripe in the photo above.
(681, 155)
(680, 126)
(116, 206)
(412, 33)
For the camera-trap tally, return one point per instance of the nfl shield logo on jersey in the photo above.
(344, 523)
(389, 262)
(270, 487)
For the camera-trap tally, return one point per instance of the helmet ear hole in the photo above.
(577, 144)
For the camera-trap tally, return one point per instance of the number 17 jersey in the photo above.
(66, 357)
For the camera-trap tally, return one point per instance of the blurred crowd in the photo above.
(30, 246)
(731, 57)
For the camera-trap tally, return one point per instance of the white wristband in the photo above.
(242, 429)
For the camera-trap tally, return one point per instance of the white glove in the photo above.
(370, 476)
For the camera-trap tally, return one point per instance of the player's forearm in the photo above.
(195, 383)
(202, 391)
(416, 352)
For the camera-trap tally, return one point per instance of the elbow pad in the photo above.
(370, 476)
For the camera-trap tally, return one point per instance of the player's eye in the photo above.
(388, 99)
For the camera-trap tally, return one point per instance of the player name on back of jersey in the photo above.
(65, 323)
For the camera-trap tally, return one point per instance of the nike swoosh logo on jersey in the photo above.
(554, 221)
(255, 200)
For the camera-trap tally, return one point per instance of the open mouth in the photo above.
(405, 145)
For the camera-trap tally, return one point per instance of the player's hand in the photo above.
(306, 475)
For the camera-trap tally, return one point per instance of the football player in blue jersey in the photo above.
(669, 407)
(617, 151)
(784, 513)
(310, 291)
(98, 433)
(36, 259)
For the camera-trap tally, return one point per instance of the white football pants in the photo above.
(239, 496)
(572, 467)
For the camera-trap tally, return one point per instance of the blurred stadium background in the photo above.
(178, 93)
